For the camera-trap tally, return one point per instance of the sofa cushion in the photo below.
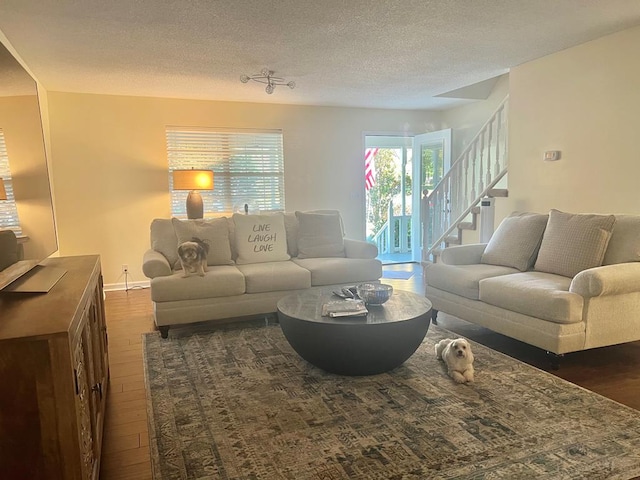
(260, 238)
(462, 280)
(274, 277)
(214, 232)
(164, 239)
(537, 294)
(573, 242)
(624, 245)
(218, 281)
(516, 241)
(319, 235)
(335, 270)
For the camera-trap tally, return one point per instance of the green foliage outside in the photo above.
(386, 187)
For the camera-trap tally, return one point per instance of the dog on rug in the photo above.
(457, 355)
(193, 257)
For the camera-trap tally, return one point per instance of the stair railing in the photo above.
(476, 171)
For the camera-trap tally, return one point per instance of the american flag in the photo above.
(370, 168)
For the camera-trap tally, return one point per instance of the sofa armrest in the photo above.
(615, 279)
(359, 249)
(463, 254)
(155, 264)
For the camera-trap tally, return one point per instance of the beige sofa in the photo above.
(561, 282)
(254, 260)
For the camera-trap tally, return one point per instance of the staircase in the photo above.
(452, 206)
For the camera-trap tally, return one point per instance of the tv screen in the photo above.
(28, 208)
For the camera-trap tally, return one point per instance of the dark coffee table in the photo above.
(377, 343)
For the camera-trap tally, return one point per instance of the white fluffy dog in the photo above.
(458, 357)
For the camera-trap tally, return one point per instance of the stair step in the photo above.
(452, 240)
(467, 226)
(498, 192)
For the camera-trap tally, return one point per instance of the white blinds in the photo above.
(248, 167)
(8, 211)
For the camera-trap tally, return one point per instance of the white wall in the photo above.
(584, 101)
(110, 176)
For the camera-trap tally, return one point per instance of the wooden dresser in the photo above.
(54, 373)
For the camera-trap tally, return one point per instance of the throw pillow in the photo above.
(574, 242)
(516, 241)
(213, 232)
(320, 235)
(164, 240)
(260, 238)
(625, 241)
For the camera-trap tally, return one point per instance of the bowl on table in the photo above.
(374, 293)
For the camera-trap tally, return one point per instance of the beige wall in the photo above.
(110, 167)
(584, 101)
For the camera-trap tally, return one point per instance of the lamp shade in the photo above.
(3, 192)
(192, 179)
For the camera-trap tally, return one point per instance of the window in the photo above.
(248, 167)
(8, 211)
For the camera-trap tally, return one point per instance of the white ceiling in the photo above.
(357, 53)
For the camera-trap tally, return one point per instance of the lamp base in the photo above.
(195, 207)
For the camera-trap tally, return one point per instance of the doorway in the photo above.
(392, 203)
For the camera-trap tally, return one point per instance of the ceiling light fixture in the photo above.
(266, 77)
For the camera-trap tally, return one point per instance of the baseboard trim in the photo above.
(110, 287)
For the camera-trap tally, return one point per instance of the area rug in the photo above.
(238, 403)
(397, 274)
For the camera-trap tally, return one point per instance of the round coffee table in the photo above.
(377, 343)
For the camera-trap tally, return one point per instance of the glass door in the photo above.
(388, 194)
(434, 151)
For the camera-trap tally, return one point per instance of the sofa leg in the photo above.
(555, 359)
(434, 316)
(164, 331)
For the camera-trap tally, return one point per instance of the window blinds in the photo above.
(248, 167)
(8, 211)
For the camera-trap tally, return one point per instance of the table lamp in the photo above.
(193, 180)
(3, 192)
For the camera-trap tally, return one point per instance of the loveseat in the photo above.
(562, 282)
(253, 261)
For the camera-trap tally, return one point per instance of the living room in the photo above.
(108, 160)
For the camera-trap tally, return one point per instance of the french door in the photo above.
(392, 202)
(433, 150)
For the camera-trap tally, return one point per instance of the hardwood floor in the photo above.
(611, 372)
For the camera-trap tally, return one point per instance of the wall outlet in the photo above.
(125, 268)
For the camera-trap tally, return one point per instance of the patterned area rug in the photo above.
(238, 403)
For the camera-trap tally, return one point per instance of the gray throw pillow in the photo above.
(320, 235)
(214, 232)
(574, 242)
(516, 241)
(624, 245)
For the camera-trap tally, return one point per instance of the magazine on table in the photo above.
(344, 308)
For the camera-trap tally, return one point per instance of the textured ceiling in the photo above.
(379, 54)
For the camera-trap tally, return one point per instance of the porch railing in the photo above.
(393, 236)
(476, 171)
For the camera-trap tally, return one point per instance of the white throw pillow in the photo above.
(320, 235)
(516, 241)
(260, 238)
(214, 232)
(574, 242)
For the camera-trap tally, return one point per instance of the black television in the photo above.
(28, 187)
